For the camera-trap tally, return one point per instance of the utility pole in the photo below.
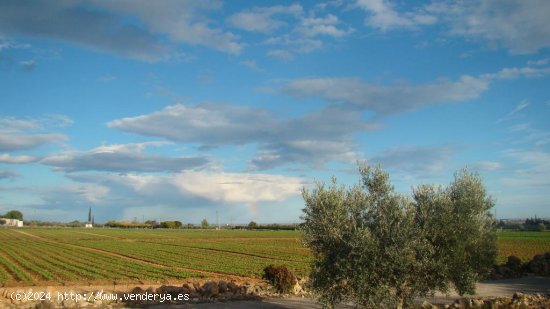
(217, 220)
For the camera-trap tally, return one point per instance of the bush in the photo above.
(540, 264)
(282, 278)
(514, 263)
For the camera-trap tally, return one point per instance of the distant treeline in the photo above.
(38, 223)
(163, 225)
(531, 224)
(288, 227)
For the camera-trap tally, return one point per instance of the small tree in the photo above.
(14, 214)
(377, 249)
(252, 225)
(204, 223)
(541, 227)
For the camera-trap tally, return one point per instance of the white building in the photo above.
(88, 226)
(11, 222)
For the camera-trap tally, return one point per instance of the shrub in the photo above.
(514, 263)
(282, 278)
(540, 264)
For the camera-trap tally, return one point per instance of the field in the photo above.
(524, 245)
(32, 256)
(83, 256)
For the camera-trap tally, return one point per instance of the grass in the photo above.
(64, 255)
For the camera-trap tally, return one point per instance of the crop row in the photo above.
(244, 256)
(25, 259)
(194, 258)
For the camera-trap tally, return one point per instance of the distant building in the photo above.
(88, 225)
(11, 222)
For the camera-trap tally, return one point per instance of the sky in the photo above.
(178, 110)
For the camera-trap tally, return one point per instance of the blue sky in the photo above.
(178, 109)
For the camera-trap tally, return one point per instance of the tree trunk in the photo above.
(399, 304)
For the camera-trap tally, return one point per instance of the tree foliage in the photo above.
(377, 248)
(14, 214)
(171, 225)
(204, 223)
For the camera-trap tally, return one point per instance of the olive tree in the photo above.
(377, 248)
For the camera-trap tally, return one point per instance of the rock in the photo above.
(222, 286)
(174, 291)
(97, 303)
(197, 287)
(69, 303)
(233, 288)
(427, 305)
(210, 289)
(477, 303)
(190, 290)
(518, 295)
(189, 287)
(45, 304)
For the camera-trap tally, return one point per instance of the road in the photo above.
(497, 288)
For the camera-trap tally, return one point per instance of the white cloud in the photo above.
(488, 165)
(532, 135)
(251, 64)
(23, 134)
(539, 62)
(403, 97)
(281, 54)
(238, 188)
(535, 171)
(313, 26)
(10, 142)
(291, 44)
(262, 19)
(8, 175)
(207, 124)
(414, 160)
(522, 105)
(304, 35)
(181, 21)
(387, 100)
(280, 141)
(382, 15)
(69, 21)
(520, 26)
(310, 152)
(104, 26)
(9, 44)
(6, 158)
(515, 72)
(122, 158)
(189, 195)
(27, 65)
